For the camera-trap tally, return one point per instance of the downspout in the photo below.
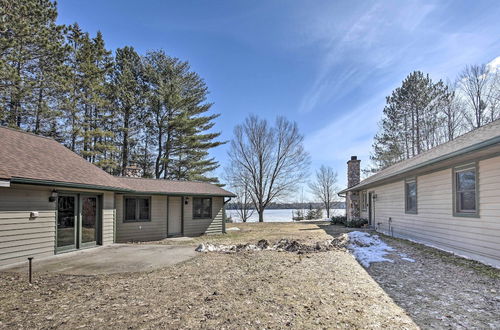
(224, 215)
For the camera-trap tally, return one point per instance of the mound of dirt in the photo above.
(283, 245)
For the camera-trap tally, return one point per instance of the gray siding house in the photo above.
(53, 201)
(447, 197)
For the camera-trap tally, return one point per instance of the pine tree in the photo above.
(177, 107)
(129, 93)
(89, 114)
(30, 50)
(411, 121)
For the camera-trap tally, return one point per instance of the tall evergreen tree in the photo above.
(177, 107)
(30, 53)
(411, 120)
(129, 90)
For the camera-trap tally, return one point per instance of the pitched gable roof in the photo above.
(29, 156)
(171, 187)
(487, 135)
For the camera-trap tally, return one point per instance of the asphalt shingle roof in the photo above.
(29, 156)
(174, 187)
(483, 135)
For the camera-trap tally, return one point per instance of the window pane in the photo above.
(466, 180)
(197, 207)
(144, 208)
(411, 196)
(467, 201)
(129, 209)
(207, 208)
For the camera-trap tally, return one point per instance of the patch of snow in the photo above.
(408, 259)
(368, 248)
(233, 229)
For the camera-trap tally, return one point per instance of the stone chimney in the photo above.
(353, 171)
(352, 197)
(132, 171)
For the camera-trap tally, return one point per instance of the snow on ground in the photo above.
(368, 248)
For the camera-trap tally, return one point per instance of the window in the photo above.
(466, 191)
(137, 209)
(411, 196)
(202, 208)
(364, 201)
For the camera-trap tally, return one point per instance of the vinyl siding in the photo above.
(142, 231)
(435, 224)
(22, 237)
(195, 227)
(108, 218)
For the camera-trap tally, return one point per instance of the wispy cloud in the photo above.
(366, 41)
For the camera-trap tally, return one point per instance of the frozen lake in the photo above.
(277, 215)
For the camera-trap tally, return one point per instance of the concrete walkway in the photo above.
(111, 259)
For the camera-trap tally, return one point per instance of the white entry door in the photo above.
(174, 216)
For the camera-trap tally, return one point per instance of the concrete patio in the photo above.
(111, 259)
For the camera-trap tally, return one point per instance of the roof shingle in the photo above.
(29, 156)
(489, 132)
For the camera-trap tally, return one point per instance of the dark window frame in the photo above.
(137, 208)
(407, 209)
(202, 216)
(457, 212)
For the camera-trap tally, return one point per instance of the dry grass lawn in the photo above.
(261, 290)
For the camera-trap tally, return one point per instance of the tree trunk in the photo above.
(125, 141)
(158, 158)
(261, 215)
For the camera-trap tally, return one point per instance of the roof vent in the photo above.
(354, 157)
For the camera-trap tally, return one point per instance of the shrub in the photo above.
(339, 220)
(356, 223)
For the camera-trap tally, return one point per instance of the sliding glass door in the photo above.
(78, 218)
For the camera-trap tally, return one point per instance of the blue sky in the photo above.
(327, 65)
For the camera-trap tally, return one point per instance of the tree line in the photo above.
(112, 108)
(422, 113)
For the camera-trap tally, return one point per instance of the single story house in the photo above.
(52, 201)
(447, 197)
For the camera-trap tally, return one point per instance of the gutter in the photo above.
(67, 184)
(105, 188)
(466, 150)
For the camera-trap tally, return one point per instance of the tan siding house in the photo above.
(54, 201)
(456, 202)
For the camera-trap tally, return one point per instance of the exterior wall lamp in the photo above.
(186, 200)
(53, 196)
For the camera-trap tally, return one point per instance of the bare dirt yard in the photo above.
(264, 290)
(421, 287)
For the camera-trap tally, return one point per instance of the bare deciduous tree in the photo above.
(479, 87)
(271, 159)
(324, 187)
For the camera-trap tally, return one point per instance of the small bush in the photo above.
(356, 223)
(342, 220)
(339, 220)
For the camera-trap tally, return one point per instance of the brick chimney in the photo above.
(353, 171)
